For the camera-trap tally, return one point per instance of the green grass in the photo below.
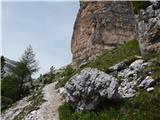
(67, 113)
(109, 58)
(155, 67)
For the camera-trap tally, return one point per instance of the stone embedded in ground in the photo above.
(130, 78)
(147, 82)
(88, 88)
(137, 65)
(126, 73)
(118, 66)
(150, 89)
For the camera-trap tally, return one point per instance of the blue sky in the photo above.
(46, 26)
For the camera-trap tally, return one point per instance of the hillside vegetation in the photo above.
(19, 82)
(144, 106)
(109, 58)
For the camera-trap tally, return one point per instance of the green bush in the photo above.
(49, 78)
(5, 102)
(68, 71)
(10, 87)
(14, 86)
(65, 112)
(138, 5)
(67, 74)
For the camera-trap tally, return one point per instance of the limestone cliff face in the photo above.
(101, 26)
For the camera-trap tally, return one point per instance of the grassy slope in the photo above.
(112, 57)
(144, 106)
(106, 60)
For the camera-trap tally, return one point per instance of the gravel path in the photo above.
(49, 109)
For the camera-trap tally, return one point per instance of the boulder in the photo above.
(88, 88)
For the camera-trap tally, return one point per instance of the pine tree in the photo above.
(29, 59)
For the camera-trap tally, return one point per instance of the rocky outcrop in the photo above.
(100, 26)
(89, 88)
(131, 78)
(148, 29)
(8, 66)
(86, 90)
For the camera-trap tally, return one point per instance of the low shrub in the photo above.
(5, 102)
(138, 5)
(66, 75)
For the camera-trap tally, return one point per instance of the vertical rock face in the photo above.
(148, 29)
(100, 26)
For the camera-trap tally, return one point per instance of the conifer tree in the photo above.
(29, 59)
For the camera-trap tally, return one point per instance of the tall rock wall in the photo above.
(148, 29)
(101, 26)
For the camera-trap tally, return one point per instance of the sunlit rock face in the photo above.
(100, 26)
